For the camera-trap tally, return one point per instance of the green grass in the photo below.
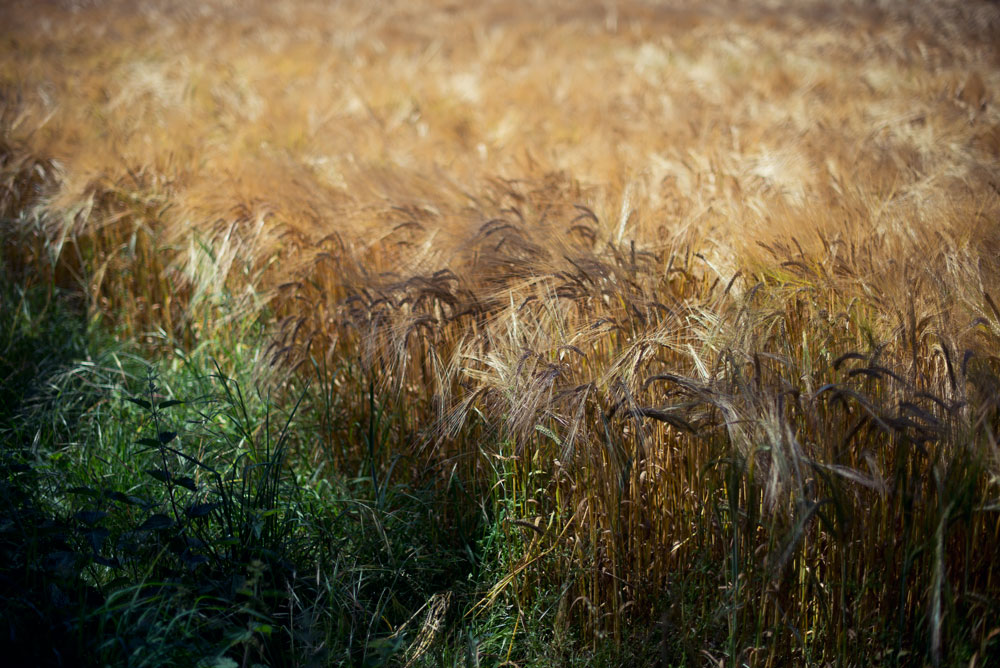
(152, 516)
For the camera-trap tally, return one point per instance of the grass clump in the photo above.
(153, 519)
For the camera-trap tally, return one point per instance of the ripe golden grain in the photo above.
(735, 271)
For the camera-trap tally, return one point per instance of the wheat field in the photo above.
(700, 300)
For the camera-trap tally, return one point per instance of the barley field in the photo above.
(529, 333)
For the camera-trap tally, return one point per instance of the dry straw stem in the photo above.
(700, 282)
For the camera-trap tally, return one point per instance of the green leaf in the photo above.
(126, 498)
(90, 517)
(156, 522)
(96, 537)
(228, 541)
(103, 561)
(140, 402)
(223, 662)
(186, 482)
(201, 509)
(159, 474)
(62, 563)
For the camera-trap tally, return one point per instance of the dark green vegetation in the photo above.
(151, 517)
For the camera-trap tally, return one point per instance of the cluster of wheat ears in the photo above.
(702, 299)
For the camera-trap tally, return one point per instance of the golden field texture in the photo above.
(701, 298)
